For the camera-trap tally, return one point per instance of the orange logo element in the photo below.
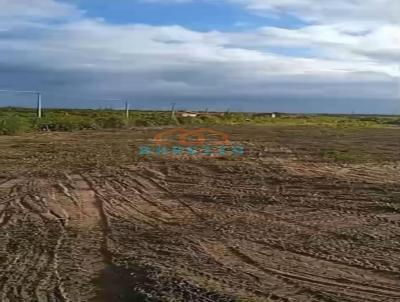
(191, 137)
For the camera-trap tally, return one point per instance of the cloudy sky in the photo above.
(245, 55)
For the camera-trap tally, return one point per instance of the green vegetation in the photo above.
(346, 156)
(18, 120)
(11, 125)
(392, 207)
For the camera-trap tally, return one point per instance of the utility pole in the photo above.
(398, 87)
(39, 105)
(127, 110)
(173, 110)
(38, 98)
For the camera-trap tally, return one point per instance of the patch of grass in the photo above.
(15, 120)
(252, 300)
(346, 156)
(392, 207)
(54, 122)
(393, 122)
(13, 125)
(112, 122)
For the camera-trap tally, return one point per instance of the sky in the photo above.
(311, 56)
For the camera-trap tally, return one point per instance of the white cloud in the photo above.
(172, 61)
(36, 8)
(328, 10)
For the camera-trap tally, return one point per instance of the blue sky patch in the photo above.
(199, 16)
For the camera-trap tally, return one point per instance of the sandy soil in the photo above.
(84, 218)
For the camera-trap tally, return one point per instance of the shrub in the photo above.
(142, 122)
(393, 122)
(13, 125)
(189, 120)
(210, 120)
(64, 123)
(114, 122)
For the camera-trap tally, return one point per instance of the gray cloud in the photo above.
(78, 56)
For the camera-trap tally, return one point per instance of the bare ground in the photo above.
(83, 218)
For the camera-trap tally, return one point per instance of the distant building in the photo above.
(211, 113)
(270, 114)
(187, 114)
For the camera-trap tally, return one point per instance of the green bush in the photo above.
(393, 122)
(189, 120)
(142, 122)
(13, 125)
(18, 120)
(64, 123)
(114, 122)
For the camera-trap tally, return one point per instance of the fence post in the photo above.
(173, 110)
(39, 105)
(127, 110)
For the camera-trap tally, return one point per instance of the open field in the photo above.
(19, 120)
(308, 214)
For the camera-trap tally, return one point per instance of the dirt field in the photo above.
(307, 214)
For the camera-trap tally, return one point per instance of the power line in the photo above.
(39, 95)
(18, 91)
(63, 95)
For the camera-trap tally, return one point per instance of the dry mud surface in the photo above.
(83, 218)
